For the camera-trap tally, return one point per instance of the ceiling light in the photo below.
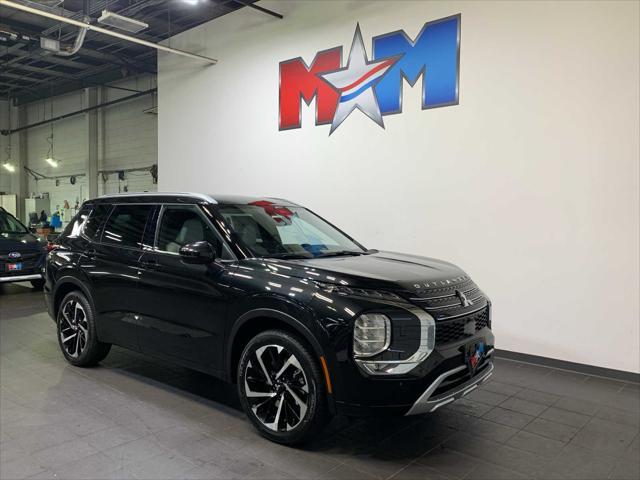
(191, 2)
(51, 161)
(9, 167)
(50, 44)
(123, 23)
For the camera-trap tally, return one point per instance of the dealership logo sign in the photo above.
(373, 86)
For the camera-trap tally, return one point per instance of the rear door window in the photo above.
(125, 226)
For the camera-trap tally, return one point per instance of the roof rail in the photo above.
(201, 196)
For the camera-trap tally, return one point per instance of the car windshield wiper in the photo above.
(288, 256)
(341, 253)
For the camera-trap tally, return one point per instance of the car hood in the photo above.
(381, 270)
(19, 242)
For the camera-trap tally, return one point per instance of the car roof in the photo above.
(186, 197)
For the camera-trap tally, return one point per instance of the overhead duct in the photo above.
(104, 31)
(53, 45)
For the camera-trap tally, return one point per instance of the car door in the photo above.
(183, 306)
(112, 268)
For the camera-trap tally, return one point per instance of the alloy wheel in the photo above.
(276, 388)
(74, 328)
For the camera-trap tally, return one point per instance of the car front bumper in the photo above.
(442, 378)
(430, 402)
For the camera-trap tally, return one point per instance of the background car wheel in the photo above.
(77, 332)
(281, 387)
(37, 284)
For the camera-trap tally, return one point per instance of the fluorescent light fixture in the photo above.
(50, 44)
(191, 2)
(51, 161)
(120, 21)
(9, 167)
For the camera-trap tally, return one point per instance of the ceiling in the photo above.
(29, 73)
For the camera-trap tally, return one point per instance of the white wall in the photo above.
(127, 139)
(530, 183)
(70, 146)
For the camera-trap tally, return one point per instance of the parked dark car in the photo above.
(265, 293)
(22, 254)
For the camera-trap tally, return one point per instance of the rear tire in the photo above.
(76, 329)
(37, 284)
(281, 388)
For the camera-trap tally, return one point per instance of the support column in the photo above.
(22, 189)
(91, 95)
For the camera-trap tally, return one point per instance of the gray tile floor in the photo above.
(134, 417)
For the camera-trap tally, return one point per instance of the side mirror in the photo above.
(198, 253)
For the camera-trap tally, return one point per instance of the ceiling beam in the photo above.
(24, 78)
(111, 33)
(45, 71)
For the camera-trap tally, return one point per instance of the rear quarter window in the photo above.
(75, 226)
(96, 220)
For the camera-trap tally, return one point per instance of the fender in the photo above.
(67, 279)
(293, 322)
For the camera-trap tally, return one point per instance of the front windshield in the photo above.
(270, 230)
(8, 224)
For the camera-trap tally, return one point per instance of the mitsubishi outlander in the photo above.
(267, 294)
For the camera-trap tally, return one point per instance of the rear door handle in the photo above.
(149, 264)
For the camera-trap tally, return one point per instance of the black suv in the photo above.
(265, 293)
(22, 254)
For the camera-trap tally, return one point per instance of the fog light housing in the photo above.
(371, 335)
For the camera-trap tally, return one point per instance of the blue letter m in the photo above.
(434, 54)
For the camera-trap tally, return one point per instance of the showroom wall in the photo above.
(127, 138)
(530, 183)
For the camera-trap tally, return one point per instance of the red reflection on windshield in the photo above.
(273, 210)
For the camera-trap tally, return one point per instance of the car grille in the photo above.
(448, 331)
(455, 320)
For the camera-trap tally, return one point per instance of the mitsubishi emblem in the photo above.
(464, 301)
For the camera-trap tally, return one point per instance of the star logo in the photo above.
(355, 83)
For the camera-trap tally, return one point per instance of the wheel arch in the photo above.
(65, 285)
(259, 320)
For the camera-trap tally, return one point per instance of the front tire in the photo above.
(281, 388)
(77, 332)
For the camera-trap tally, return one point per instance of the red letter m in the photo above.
(299, 81)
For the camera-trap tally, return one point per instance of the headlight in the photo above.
(399, 367)
(371, 335)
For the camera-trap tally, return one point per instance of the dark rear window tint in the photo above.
(125, 226)
(97, 218)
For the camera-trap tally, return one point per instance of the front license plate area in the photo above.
(473, 354)
(12, 267)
